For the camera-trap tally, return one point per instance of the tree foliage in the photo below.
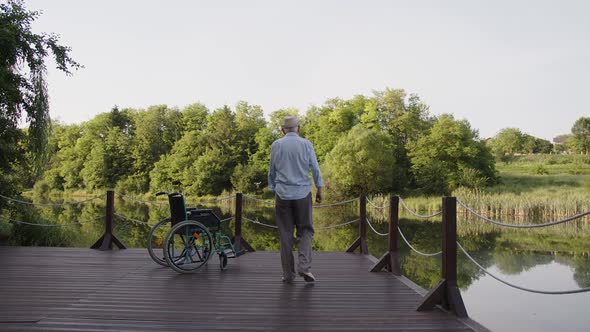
(23, 90)
(448, 155)
(376, 144)
(510, 141)
(362, 162)
(581, 132)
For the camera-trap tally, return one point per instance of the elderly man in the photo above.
(291, 158)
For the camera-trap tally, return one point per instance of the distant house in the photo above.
(559, 144)
(560, 139)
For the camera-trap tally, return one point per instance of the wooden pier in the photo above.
(69, 289)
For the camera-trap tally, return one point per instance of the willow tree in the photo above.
(23, 91)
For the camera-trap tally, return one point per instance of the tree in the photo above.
(23, 89)
(581, 132)
(194, 117)
(531, 144)
(441, 160)
(326, 125)
(249, 119)
(506, 143)
(156, 131)
(362, 162)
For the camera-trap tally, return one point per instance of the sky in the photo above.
(496, 64)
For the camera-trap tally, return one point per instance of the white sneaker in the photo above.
(307, 276)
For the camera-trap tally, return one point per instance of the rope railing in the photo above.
(49, 224)
(131, 219)
(141, 200)
(374, 230)
(375, 205)
(574, 291)
(416, 214)
(414, 249)
(165, 203)
(148, 224)
(319, 206)
(49, 204)
(210, 201)
(316, 228)
(551, 223)
(314, 206)
(338, 225)
(258, 200)
(259, 223)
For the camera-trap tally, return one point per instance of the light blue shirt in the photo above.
(291, 158)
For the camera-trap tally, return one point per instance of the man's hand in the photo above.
(319, 196)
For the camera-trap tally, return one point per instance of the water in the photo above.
(501, 308)
(533, 259)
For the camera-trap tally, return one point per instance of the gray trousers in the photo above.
(291, 214)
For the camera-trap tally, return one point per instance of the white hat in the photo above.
(290, 121)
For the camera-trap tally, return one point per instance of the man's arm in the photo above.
(316, 173)
(271, 170)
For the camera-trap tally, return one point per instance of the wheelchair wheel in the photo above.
(188, 246)
(223, 261)
(155, 241)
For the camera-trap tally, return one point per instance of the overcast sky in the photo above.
(497, 64)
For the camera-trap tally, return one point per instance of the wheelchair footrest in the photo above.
(230, 253)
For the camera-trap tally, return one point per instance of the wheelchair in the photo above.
(194, 236)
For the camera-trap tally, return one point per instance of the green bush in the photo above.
(41, 188)
(539, 169)
(5, 229)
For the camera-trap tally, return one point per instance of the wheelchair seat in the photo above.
(179, 213)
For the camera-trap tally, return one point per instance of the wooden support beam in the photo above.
(361, 242)
(446, 293)
(106, 241)
(240, 244)
(390, 259)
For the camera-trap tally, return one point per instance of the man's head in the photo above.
(290, 124)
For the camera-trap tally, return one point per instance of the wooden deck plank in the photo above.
(66, 289)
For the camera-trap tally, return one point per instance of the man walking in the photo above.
(291, 158)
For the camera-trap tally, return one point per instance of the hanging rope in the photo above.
(318, 228)
(210, 201)
(414, 249)
(49, 204)
(226, 219)
(315, 206)
(146, 223)
(259, 223)
(319, 206)
(258, 200)
(142, 200)
(574, 291)
(552, 223)
(339, 225)
(131, 219)
(374, 230)
(416, 214)
(375, 205)
(79, 223)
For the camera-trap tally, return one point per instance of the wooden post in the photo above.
(361, 242)
(446, 292)
(390, 259)
(108, 238)
(239, 241)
